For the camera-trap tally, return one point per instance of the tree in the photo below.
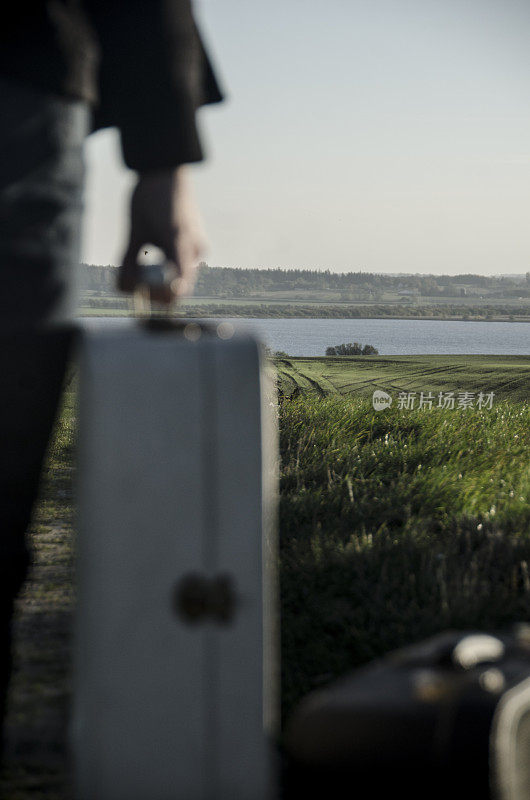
(350, 349)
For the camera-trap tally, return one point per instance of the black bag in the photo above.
(446, 718)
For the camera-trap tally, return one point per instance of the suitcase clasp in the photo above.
(198, 598)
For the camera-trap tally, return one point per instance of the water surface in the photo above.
(311, 337)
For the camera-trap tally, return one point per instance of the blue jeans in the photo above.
(41, 188)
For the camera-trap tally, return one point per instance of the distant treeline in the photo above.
(228, 282)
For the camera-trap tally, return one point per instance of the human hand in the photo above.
(164, 214)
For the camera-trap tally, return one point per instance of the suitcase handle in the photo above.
(191, 329)
(151, 277)
(155, 317)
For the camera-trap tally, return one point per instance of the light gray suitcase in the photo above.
(175, 656)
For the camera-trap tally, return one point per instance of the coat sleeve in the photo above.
(154, 74)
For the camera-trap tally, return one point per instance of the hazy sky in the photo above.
(382, 135)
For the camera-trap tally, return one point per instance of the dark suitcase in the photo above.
(447, 718)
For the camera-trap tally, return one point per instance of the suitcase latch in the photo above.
(198, 598)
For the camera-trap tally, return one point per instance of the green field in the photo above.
(394, 525)
(506, 376)
(309, 297)
(200, 308)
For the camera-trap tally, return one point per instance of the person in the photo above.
(67, 68)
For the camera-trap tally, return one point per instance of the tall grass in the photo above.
(393, 525)
(396, 525)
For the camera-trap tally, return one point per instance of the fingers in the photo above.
(163, 213)
(184, 254)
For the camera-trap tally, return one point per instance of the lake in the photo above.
(310, 337)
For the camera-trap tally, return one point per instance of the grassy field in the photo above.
(393, 525)
(396, 525)
(309, 297)
(506, 376)
(211, 307)
(36, 764)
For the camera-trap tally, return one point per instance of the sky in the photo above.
(374, 135)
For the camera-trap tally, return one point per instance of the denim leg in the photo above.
(41, 188)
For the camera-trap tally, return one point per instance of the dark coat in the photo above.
(141, 64)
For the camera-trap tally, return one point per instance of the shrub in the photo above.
(350, 349)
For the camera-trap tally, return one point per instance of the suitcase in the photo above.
(446, 718)
(175, 654)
